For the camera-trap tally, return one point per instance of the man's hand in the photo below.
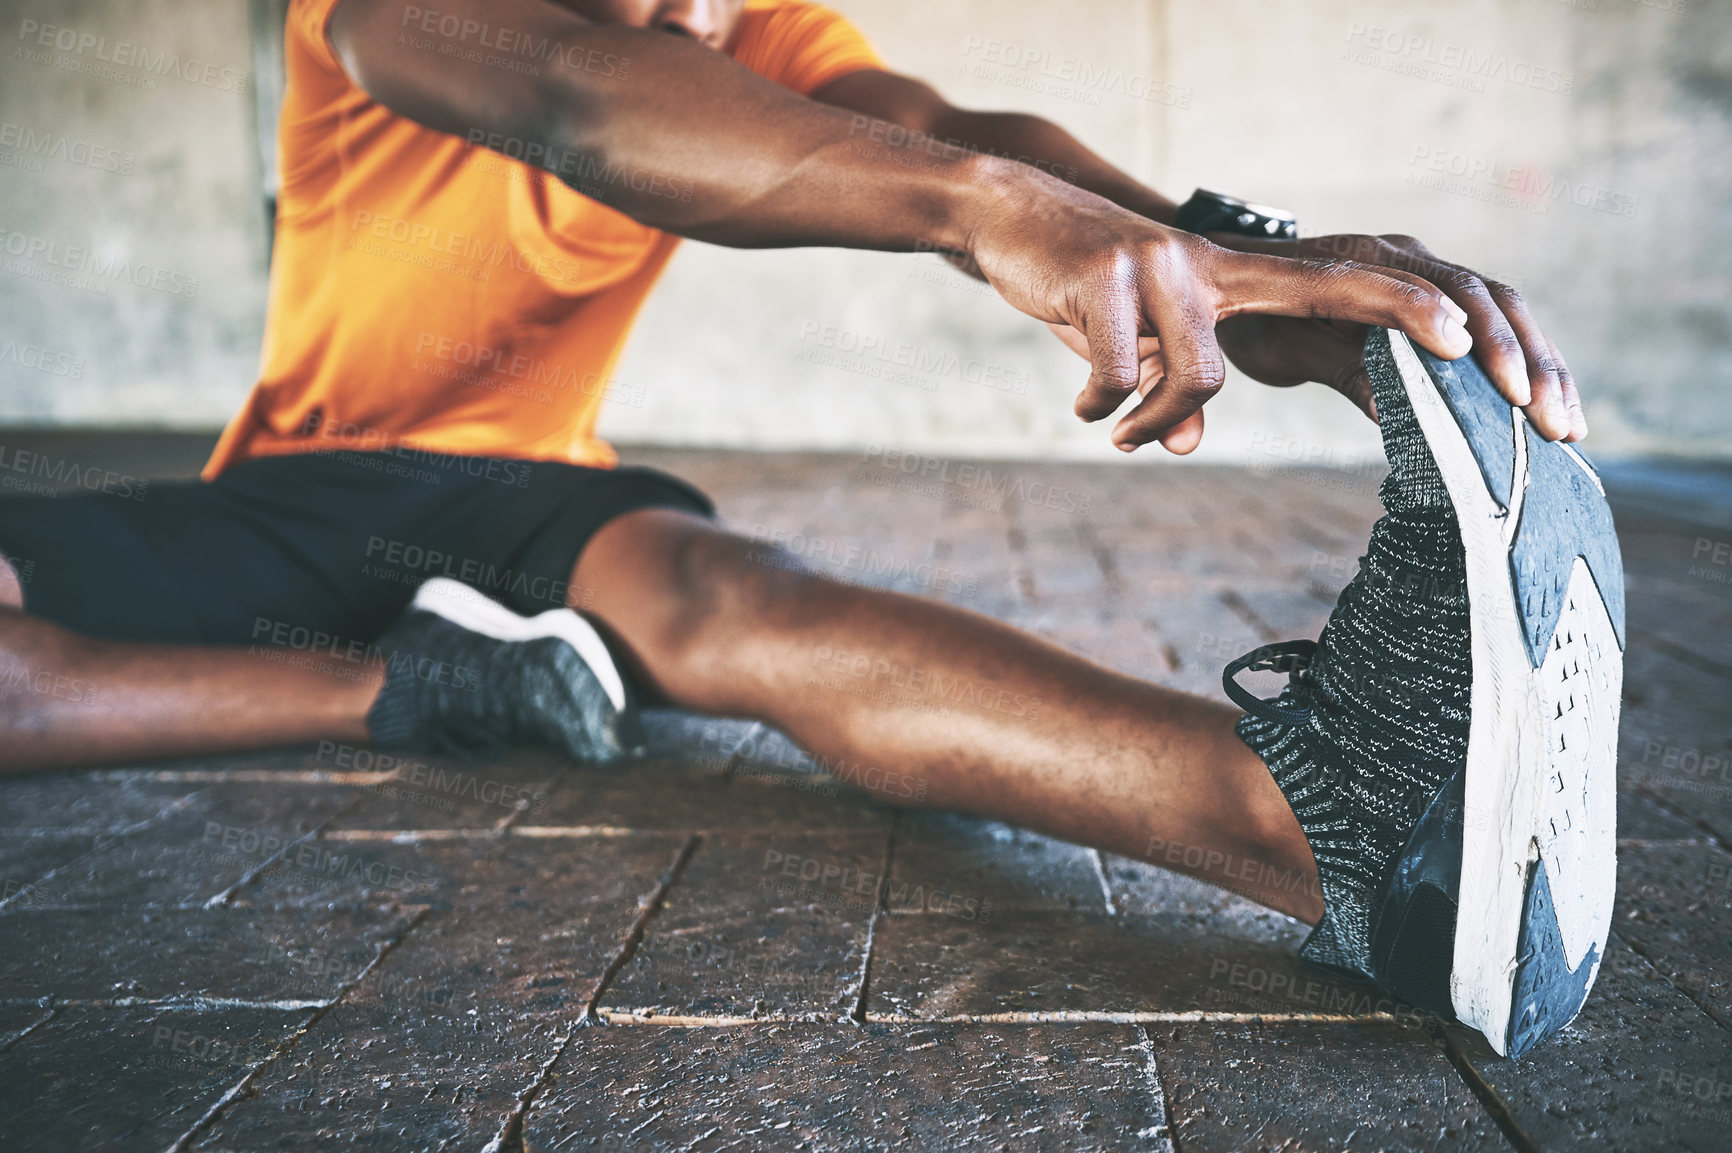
(1519, 358)
(1073, 259)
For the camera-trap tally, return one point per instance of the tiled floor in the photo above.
(311, 949)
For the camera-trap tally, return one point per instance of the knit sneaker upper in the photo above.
(452, 690)
(1388, 689)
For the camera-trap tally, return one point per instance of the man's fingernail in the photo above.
(1455, 309)
(1125, 446)
(1454, 334)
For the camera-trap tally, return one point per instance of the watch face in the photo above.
(1280, 214)
(1209, 210)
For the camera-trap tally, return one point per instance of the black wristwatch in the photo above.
(1209, 211)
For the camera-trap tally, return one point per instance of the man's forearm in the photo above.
(687, 140)
(1035, 141)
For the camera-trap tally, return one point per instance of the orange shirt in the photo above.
(428, 293)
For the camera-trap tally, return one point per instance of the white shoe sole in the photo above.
(1539, 815)
(467, 608)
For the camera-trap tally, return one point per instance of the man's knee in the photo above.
(731, 589)
(11, 584)
(687, 596)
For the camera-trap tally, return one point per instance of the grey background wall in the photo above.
(1581, 150)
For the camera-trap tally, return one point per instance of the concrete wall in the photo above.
(132, 230)
(1583, 152)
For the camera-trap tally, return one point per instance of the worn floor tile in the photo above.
(1142, 889)
(87, 803)
(533, 929)
(138, 1078)
(759, 925)
(430, 792)
(1675, 908)
(443, 869)
(1316, 1087)
(391, 1078)
(1641, 1070)
(694, 793)
(223, 833)
(184, 954)
(847, 1088)
(938, 966)
(27, 863)
(966, 867)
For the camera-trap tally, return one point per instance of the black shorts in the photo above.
(277, 550)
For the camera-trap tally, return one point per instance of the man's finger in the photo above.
(1110, 326)
(1548, 408)
(1572, 399)
(1194, 368)
(1338, 290)
(1495, 344)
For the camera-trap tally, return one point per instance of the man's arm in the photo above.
(1031, 140)
(1516, 354)
(756, 165)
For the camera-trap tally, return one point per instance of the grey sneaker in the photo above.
(464, 674)
(1449, 744)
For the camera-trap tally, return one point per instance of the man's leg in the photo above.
(1043, 738)
(69, 700)
(1046, 740)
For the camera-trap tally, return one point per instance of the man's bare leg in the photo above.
(719, 626)
(69, 700)
(713, 620)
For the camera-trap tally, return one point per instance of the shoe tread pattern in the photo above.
(1547, 992)
(1563, 516)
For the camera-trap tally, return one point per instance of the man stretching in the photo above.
(477, 198)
